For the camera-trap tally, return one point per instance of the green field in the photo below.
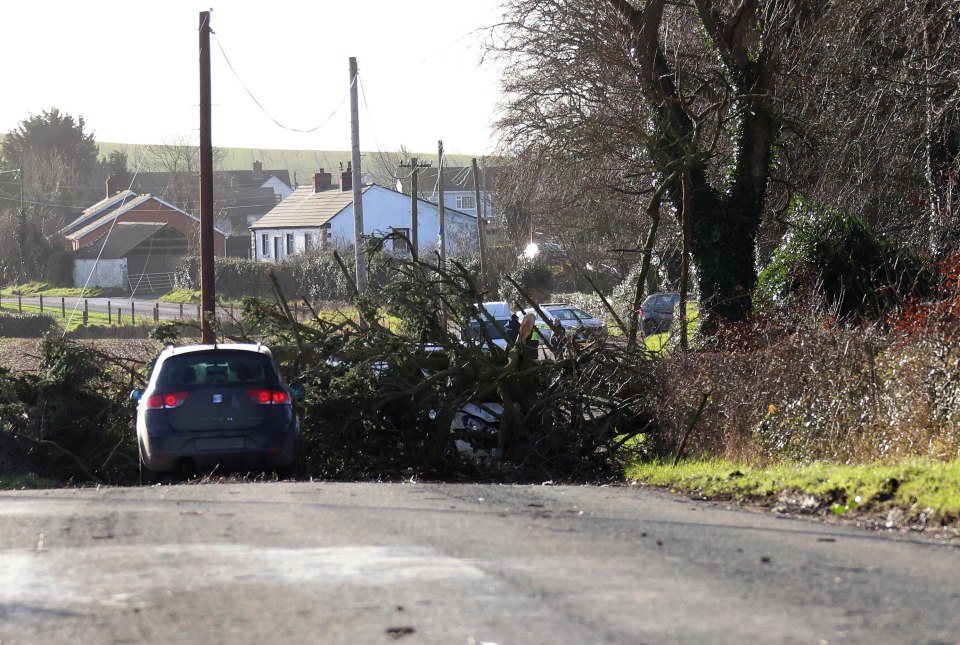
(300, 163)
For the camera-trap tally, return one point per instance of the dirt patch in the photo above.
(23, 354)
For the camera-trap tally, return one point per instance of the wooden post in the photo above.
(207, 288)
(63, 307)
(415, 165)
(481, 232)
(414, 216)
(441, 207)
(357, 188)
(41, 303)
(86, 312)
(109, 314)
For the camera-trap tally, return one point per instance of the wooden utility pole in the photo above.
(414, 198)
(442, 208)
(355, 179)
(481, 231)
(207, 288)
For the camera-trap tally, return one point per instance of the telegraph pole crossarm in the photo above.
(415, 165)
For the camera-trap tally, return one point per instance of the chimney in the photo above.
(321, 181)
(257, 169)
(109, 185)
(346, 179)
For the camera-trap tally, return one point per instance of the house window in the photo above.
(466, 201)
(265, 245)
(401, 243)
(307, 241)
(289, 243)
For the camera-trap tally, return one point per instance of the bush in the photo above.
(841, 395)
(71, 420)
(235, 277)
(60, 269)
(27, 325)
(839, 260)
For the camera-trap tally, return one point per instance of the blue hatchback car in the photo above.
(210, 407)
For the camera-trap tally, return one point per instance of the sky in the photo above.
(131, 69)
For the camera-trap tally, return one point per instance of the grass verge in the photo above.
(915, 487)
(34, 289)
(186, 296)
(74, 319)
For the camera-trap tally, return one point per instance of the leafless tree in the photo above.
(654, 91)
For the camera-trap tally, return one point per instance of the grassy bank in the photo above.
(915, 487)
(34, 289)
(74, 319)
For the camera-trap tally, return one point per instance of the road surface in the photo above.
(416, 563)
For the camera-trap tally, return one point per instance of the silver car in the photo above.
(577, 323)
(210, 407)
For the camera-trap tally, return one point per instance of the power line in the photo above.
(373, 131)
(264, 110)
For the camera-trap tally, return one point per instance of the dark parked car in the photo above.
(216, 406)
(656, 312)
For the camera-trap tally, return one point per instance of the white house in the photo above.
(458, 188)
(322, 215)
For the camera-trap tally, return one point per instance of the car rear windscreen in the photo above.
(200, 369)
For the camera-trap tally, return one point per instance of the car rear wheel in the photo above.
(147, 476)
(649, 327)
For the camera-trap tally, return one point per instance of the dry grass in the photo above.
(21, 354)
(840, 395)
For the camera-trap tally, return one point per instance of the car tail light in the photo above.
(269, 397)
(168, 400)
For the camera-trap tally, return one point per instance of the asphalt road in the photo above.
(468, 564)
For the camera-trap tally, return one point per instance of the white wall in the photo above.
(280, 189)
(106, 273)
(383, 211)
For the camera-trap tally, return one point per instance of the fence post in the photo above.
(86, 312)
(63, 307)
(109, 314)
(41, 303)
(181, 311)
(133, 314)
(19, 302)
(156, 312)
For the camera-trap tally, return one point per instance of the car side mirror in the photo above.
(136, 395)
(297, 390)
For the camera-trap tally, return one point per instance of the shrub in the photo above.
(27, 325)
(60, 269)
(71, 419)
(844, 395)
(840, 260)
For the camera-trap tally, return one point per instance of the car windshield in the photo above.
(494, 329)
(571, 314)
(216, 368)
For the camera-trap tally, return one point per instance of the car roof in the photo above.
(171, 350)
